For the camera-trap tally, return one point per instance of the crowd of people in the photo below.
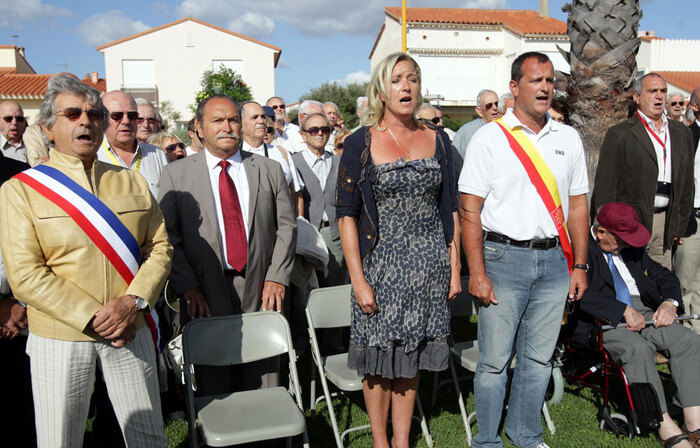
(100, 206)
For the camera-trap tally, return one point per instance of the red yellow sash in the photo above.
(543, 180)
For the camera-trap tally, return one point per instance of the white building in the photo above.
(166, 63)
(462, 51)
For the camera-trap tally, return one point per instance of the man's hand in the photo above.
(635, 321)
(480, 287)
(126, 337)
(365, 297)
(112, 319)
(578, 284)
(272, 296)
(13, 317)
(197, 305)
(665, 315)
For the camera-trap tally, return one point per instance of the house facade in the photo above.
(166, 63)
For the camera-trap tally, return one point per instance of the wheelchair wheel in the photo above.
(617, 424)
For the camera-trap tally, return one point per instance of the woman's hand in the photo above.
(365, 297)
(455, 284)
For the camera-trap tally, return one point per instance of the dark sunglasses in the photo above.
(313, 131)
(339, 145)
(673, 103)
(270, 130)
(131, 115)
(489, 106)
(73, 113)
(151, 121)
(275, 107)
(174, 146)
(9, 118)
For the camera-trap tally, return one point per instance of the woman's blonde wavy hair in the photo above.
(380, 83)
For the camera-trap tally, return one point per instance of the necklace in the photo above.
(408, 158)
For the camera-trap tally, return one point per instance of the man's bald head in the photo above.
(12, 121)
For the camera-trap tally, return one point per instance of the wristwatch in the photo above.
(140, 303)
(673, 302)
(584, 267)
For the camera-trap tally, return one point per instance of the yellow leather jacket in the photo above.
(56, 269)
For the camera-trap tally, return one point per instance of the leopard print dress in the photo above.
(409, 272)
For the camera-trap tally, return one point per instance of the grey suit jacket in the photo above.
(187, 202)
(317, 199)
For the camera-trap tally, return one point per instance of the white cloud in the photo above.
(358, 77)
(106, 27)
(253, 24)
(12, 14)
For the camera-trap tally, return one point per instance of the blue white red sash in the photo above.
(98, 222)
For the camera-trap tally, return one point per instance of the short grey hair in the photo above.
(481, 94)
(671, 95)
(143, 102)
(425, 106)
(306, 118)
(306, 105)
(694, 97)
(332, 104)
(267, 103)
(637, 87)
(502, 100)
(243, 104)
(70, 86)
(362, 102)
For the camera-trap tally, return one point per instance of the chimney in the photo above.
(93, 77)
(544, 8)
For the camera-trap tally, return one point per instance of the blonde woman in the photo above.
(171, 145)
(397, 210)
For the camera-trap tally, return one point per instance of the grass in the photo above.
(575, 417)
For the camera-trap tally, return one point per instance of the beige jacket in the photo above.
(55, 268)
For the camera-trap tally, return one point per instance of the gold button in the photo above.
(369, 237)
(349, 179)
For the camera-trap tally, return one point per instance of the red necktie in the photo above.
(236, 244)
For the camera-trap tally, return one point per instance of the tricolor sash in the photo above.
(98, 222)
(542, 178)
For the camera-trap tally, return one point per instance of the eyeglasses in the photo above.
(313, 131)
(73, 113)
(270, 130)
(174, 146)
(9, 118)
(489, 106)
(436, 120)
(140, 120)
(339, 145)
(673, 103)
(131, 115)
(275, 107)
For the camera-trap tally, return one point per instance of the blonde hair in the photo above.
(160, 138)
(380, 85)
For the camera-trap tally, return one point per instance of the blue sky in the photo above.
(321, 40)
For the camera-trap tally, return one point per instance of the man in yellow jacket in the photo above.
(85, 247)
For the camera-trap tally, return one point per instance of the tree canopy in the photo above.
(223, 81)
(345, 97)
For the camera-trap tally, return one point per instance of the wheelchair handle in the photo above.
(651, 322)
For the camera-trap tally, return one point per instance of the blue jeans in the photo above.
(531, 288)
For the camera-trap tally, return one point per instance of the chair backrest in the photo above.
(330, 307)
(236, 339)
(464, 304)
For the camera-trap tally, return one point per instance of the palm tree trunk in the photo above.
(604, 45)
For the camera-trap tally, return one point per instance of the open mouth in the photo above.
(405, 99)
(85, 138)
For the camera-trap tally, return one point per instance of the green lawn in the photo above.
(575, 417)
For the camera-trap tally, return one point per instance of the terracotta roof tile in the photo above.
(7, 70)
(685, 80)
(34, 86)
(519, 21)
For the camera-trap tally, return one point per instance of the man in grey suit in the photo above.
(318, 169)
(229, 218)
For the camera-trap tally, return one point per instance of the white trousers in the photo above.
(63, 379)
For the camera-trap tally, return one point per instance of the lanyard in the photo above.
(658, 139)
(114, 160)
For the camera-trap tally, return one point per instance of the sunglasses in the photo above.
(73, 113)
(151, 121)
(132, 115)
(673, 103)
(270, 130)
(313, 131)
(174, 146)
(9, 118)
(489, 106)
(275, 107)
(339, 145)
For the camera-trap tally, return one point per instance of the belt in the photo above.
(324, 224)
(663, 188)
(235, 273)
(541, 244)
(660, 209)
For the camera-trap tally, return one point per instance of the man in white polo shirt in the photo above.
(518, 250)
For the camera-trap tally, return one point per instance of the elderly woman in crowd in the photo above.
(397, 211)
(339, 143)
(171, 145)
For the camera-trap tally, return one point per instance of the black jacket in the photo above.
(9, 167)
(655, 284)
(695, 130)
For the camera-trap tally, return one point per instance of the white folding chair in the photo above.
(466, 353)
(249, 416)
(331, 308)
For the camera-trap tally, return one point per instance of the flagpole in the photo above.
(403, 26)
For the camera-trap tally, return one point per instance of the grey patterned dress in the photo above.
(409, 272)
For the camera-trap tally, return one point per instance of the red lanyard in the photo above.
(658, 139)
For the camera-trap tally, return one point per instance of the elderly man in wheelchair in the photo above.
(626, 289)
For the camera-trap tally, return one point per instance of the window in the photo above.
(234, 64)
(138, 73)
(189, 38)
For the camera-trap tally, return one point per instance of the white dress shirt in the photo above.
(321, 166)
(660, 201)
(11, 151)
(288, 127)
(622, 269)
(153, 159)
(236, 172)
(289, 169)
